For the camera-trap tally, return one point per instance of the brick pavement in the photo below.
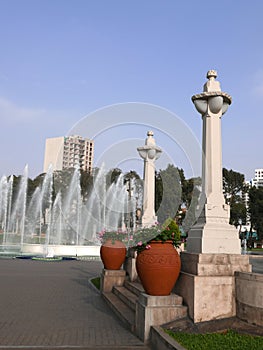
(52, 305)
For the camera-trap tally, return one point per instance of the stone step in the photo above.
(126, 296)
(179, 311)
(135, 287)
(124, 312)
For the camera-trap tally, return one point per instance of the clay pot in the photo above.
(113, 254)
(158, 268)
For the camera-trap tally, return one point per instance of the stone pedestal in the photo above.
(156, 310)
(110, 278)
(207, 284)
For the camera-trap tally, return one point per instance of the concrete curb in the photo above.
(162, 341)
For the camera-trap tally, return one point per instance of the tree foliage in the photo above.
(86, 183)
(189, 216)
(238, 211)
(233, 184)
(174, 192)
(233, 187)
(158, 191)
(256, 210)
(169, 183)
(112, 176)
(62, 180)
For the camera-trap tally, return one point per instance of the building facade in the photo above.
(258, 179)
(69, 152)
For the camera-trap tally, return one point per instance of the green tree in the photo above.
(190, 195)
(86, 182)
(33, 184)
(171, 192)
(189, 219)
(112, 176)
(256, 210)
(16, 183)
(238, 211)
(134, 185)
(158, 191)
(190, 188)
(62, 180)
(233, 185)
(131, 175)
(174, 192)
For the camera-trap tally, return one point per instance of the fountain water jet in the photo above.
(47, 224)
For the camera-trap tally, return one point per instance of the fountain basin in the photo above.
(60, 250)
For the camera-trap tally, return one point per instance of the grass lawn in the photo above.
(96, 282)
(228, 340)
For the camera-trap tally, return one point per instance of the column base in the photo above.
(207, 284)
(215, 239)
(212, 233)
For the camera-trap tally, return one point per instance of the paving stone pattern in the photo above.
(50, 305)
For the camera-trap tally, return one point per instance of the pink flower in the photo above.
(139, 243)
(101, 233)
(148, 246)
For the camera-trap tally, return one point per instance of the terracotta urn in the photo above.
(113, 254)
(158, 268)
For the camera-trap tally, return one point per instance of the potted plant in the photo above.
(158, 263)
(113, 248)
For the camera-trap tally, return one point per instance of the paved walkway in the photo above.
(52, 305)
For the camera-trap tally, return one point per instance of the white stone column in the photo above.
(212, 232)
(150, 152)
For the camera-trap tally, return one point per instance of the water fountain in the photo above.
(49, 224)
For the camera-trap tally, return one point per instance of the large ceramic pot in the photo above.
(158, 268)
(113, 254)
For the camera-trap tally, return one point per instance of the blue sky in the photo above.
(61, 60)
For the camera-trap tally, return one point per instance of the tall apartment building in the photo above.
(258, 179)
(68, 152)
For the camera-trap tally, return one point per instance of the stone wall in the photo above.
(249, 297)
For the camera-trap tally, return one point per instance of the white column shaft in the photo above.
(149, 190)
(212, 159)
